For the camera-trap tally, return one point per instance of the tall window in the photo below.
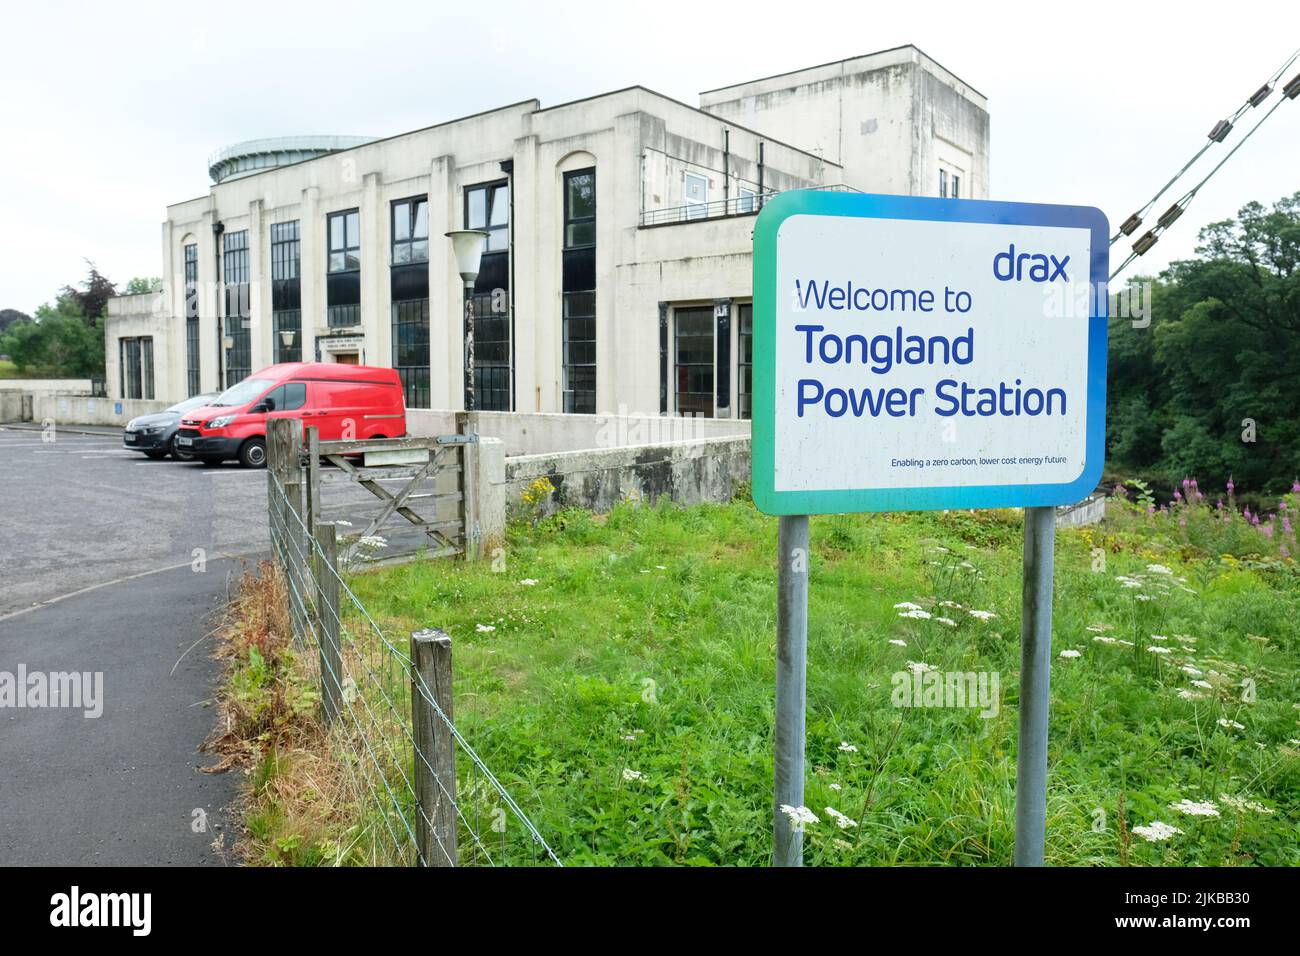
(579, 290)
(135, 367)
(745, 360)
(239, 356)
(693, 357)
(943, 184)
(487, 207)
(410, 231)
(411, 349)
(192, 318)
(286, 291)
(409, 278)
(343, 282)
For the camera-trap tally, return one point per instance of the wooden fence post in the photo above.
(435, 748)
(313, 476)
(326, 566)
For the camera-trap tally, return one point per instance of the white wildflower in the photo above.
(1240, 805)
(847, 747)
(1156, 832)
(529, 582)
(1186, 694)
(1194, 809)
(799, 816)
(484, 628)
(1155, 649)
(898, 642)
(840, 819)
(907, 606)
(917, 667)
(1070, 654)
(1158, 569)
(946, 621)
(1203, 684)
(1103, 639)
(629, 775)
(1230, 724)
(1189, 669)
(917, 615)
(982, 615)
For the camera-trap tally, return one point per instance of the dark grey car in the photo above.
(154, 434)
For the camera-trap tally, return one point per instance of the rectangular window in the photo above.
(410, 231)
(487, 207)
(580, 209)
(578, 283)
(411, 350)
(746, 201)
(943, 184)
(697, 196)
(135, 367)
(956, 186)
(235, 273)
(286, 292)
(745, 360)
(345, 241)
(693, 358)
(343, 279)
(192, 318)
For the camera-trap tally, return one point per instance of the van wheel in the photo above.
(252, 454)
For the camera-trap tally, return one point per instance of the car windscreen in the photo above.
(243, 393)
(198, 401)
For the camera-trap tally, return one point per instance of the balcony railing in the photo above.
(736, 206)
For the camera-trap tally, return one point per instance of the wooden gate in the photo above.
(390, 499)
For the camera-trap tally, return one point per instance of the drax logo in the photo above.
(1034, 266)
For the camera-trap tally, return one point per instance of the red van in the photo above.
(348, 402)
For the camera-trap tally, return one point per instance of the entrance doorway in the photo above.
(346, 358)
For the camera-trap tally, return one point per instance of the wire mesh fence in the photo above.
(424, 795)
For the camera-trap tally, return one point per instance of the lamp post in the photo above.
(467, 246)
(286, 339)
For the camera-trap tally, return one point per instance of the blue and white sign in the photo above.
(918, 353)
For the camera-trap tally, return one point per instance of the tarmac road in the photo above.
(97, 575)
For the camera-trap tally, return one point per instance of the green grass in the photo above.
(8, 369)
(647, 645)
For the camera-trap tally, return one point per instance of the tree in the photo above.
(11, 317)
(1208, 389)
(59, 343)
(92, 298)
(141, 286)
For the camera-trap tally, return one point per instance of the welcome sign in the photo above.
(918, 353)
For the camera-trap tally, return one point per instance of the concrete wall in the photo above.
(708, 470)
(891, 119)
(13, 408)
(46, 384)
(544, 433)
(74, 409)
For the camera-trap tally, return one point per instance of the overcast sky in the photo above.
(110, 111)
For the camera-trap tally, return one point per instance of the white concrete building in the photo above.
(618, 270)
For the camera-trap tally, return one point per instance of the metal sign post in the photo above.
(1035, 675)
(913, 353)
(791, 689)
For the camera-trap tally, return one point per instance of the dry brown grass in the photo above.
(298, 804)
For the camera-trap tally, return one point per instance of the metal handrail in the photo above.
(732, 206)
